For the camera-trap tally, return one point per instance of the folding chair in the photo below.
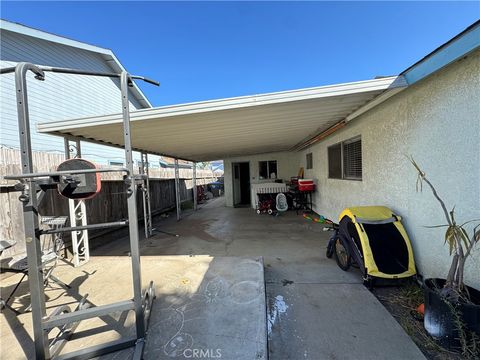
(51, 248)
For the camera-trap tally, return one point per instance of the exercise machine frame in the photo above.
(33, 185)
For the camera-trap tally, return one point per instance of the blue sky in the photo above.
(208, 50)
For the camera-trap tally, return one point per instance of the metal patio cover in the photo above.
(219, 129)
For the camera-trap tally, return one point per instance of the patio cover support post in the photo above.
(30, 212)
(77, 211)
(147, 210)
(125, 82)
(194, 169)
(178, 202)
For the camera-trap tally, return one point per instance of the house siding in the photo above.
(437, 121)
(60, 96)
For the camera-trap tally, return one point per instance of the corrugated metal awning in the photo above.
(218, 129)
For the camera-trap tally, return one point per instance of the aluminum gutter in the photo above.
(62, 126)
(454, 49)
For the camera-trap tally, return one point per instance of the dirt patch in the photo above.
(402, 303)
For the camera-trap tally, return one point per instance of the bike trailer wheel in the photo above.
(342, 256)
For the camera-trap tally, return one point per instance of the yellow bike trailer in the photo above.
(376, 240)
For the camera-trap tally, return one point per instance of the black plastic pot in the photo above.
(440, 319)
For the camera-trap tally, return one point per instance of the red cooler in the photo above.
(306, 185)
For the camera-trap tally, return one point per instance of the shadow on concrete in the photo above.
(204, 305)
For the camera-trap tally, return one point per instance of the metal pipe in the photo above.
(194, 169)
(132, 210)
(30, 212)
(64, 172)
(96, 73)
(83, 227)
(96, 311)
(320, 136)
(97, 350)
(178, 202)
(146, 204)
(144, 196)
(7, 70)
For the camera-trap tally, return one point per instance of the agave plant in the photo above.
(458, 240)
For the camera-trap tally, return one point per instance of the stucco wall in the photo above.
(287, 166)
(438, 122)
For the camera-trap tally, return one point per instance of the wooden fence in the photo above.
(109, 205)
(44, 162)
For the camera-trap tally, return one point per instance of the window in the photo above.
(115, 163)
(345, 160)
(266, 169)
(335, 161)
(352, 159)
(309, 161)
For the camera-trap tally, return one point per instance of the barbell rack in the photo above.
(30, 184)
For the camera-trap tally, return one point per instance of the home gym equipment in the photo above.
(75, 180)
(80, 186)
(374, 238)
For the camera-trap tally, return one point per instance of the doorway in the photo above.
(241, 184)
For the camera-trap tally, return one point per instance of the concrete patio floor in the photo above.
(314, 309)
(196, 299)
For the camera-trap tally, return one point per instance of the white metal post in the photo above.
(78, 212)
(149, 205)
(194, 169)
(178, 201)
(147, 212)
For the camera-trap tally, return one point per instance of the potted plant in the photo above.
(452, 309)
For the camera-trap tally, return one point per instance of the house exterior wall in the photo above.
(287, 166)
(437, 121)
(60, 96)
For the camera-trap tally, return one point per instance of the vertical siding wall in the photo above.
(60, 96)
(438, 122)
(287, 166)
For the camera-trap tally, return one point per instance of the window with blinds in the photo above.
(345, 160)
(352, 159)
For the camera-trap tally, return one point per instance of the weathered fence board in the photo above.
(44, 162)
(109, 205)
